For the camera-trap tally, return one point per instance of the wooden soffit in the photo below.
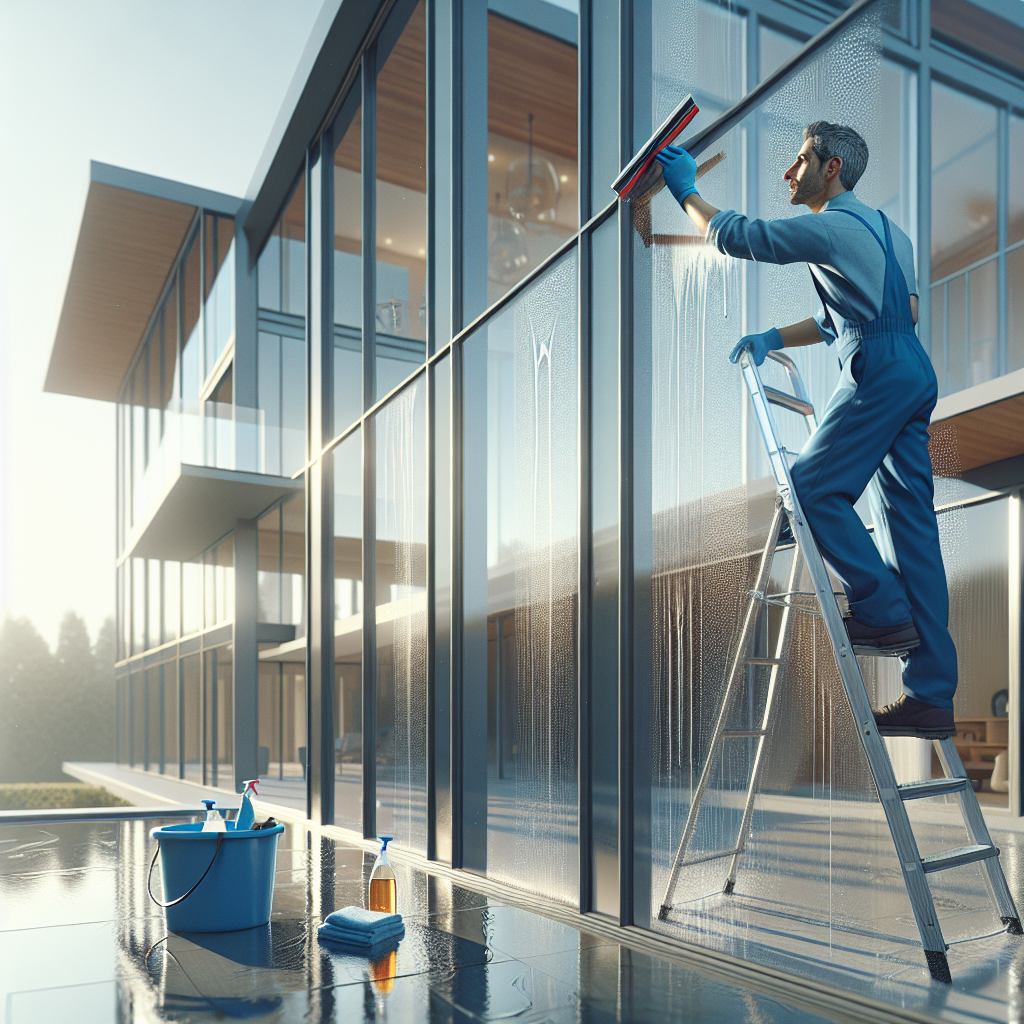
(133, 226)
(980, 425)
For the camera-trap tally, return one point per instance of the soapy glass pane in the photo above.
(348, 632)
(401, 616)
(532, 579)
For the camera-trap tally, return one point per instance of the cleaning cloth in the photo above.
(353, 926)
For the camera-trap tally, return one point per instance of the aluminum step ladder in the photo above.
(893, 796)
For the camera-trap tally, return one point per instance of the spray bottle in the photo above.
(214, 822)
(246, 815)
(383, 891)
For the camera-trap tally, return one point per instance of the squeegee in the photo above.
(643, 172)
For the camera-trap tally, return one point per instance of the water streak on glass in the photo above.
(532, 557)
(401, 610)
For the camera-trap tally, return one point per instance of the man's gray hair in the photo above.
(829, 140)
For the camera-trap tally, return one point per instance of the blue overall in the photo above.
(877, 421)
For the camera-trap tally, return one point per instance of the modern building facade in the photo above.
(437, 495)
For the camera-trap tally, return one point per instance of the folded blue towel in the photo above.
(360, 937)
(361, 941)
(378, 948)
(358, 919)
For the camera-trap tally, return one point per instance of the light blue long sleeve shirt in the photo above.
(842, 253)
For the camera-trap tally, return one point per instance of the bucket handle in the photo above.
(174, 903)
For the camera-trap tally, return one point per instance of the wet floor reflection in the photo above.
(80, 940)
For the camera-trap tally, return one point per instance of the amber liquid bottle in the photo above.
(383, 895)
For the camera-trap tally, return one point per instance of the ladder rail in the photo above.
(904, 839)
(890, 794)
(977, 831)
(725, 709)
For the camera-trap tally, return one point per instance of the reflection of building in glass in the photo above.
(437, 496)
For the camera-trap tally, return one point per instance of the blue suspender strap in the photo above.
(817, 283)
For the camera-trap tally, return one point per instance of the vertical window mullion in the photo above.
(1002, 214)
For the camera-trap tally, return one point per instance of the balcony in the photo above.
(215, 463)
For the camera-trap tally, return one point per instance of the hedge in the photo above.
(23, 796)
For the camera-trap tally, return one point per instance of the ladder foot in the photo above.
(938, 966)
(664, 912)
(1013, 925)
(731, 884)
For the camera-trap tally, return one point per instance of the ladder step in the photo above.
(932, 787)
(731, 734)
(762, 661)
(954, 858)
(788, 401)
(707, 857)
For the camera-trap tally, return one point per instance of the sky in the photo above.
(184, 89)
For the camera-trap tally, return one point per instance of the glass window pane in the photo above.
(153, 758)
(154, 635)
(293, 563)
(983, 358)
(776, 49)
(219, 287)
(1015, 300)
(348, 632)
(191, 329)
(281, 564)
(401, 244)
(226, 580)
(268, 566)
(976, 554)
(442, 597)
(293, 404)
(191, 596)
(218, 721)
(281, 280)
(170, 329)
(138, 605)
(282, 729)
(169, 692)
(956, 358)
(268, 385)
(1015, 220)
(401, 616)
(525, 462)
(348, 265)
(979, 30)
(137, 718)
(963, 180)
(532, 178)
(697, 48)
(192, 711)
(155, 391)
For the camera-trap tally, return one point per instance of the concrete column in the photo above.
(245, 661)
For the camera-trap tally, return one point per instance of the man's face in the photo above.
(806, 176)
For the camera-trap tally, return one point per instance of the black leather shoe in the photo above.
(883, 641)
(910, 717)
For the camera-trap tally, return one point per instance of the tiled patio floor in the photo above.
(80, 941)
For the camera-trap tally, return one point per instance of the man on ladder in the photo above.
(862, 267)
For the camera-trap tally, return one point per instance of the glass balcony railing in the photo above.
(218, 435)
(965, 326)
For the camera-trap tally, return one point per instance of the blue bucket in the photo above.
(238, 889)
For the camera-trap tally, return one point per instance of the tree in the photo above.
(56, 706)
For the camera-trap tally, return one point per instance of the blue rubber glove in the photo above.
(679, 170)
(758, 345)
